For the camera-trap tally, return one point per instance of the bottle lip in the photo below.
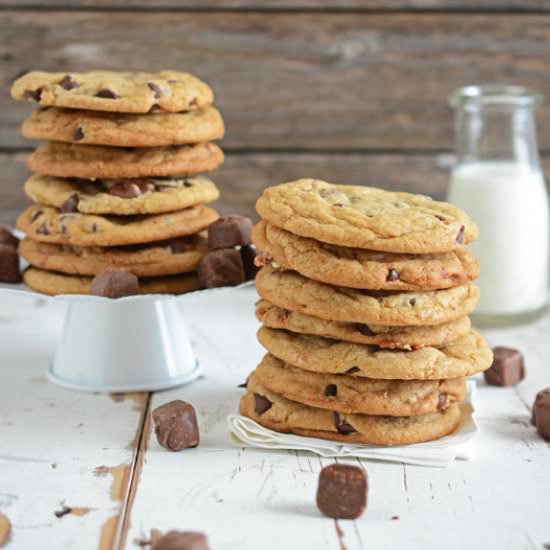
(495, 94)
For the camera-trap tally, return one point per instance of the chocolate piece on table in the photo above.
(229, 231)
(221, 268)
(507, 368)
(115, 283)
(248, 255)
(541, 413)
(342, 491)
(181, 540)
(176, 425)
(8, 238)
(9, 264)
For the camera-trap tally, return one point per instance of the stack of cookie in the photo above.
(119, 182)
(365, 296)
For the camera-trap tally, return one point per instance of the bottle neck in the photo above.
(496, 133)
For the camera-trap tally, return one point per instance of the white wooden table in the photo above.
(94, 460)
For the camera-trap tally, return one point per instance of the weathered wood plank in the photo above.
(66, 458)
(296, 80)
(241, 498)
(243, 176)
(281, 5)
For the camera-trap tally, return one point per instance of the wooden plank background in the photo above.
(346, 90)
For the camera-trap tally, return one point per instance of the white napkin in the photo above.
(245, 432)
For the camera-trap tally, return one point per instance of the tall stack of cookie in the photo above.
(119, 182)
(365, 296)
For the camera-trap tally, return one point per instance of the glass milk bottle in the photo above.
(497, 180)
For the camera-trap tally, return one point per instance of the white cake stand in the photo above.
(137, 343)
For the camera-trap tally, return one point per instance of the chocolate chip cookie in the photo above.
(290, 290)
(280, 414)
(69, 160)
(148, 260)
(359, 268)
(366, 217)
(387, 337)
(127, 196)
(46, 224)
(463, 357)
(351, 394)
(123, 129)
(52, 283)
(118, 91)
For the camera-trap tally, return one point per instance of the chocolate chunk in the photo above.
(68, 83)
(229, 231)
(365, 330)
(412, 301)
(262, 404)
(541, 413)
(221, 268)
(243, 385)
(36, 214)
(94, 228)
(156, 89)
(8, 238)
(176, 425)
(107, 93)
(342, 491)
(353, 370)
(193, 102)
(331, 390)
(43, 229)
(9, 264)
(440, 218)
(248, 256)
(33, 95)
(507, 368)
(342, 426)
(442, 401)
(393, 275)
(181, 540)
(78, 134)
(114, 283)
(187, 183)
(71, 204)
(460, 237)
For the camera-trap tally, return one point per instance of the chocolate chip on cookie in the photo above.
(176, 425)
(156, 89)
(107, 93)
(78, 134)
(114, 283)
(129, 189)
(71, 204)
(9, 264)
(393, 275)
(229, 231)
(261, 404)
(33, 95)
(8, 238)
(43, 229)
(68, 83)
(460, 237)
(342, 491)
(331, 390)
(181, 540)
(365, 330)
(342, 426)
(507, 368)
(221, 268)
